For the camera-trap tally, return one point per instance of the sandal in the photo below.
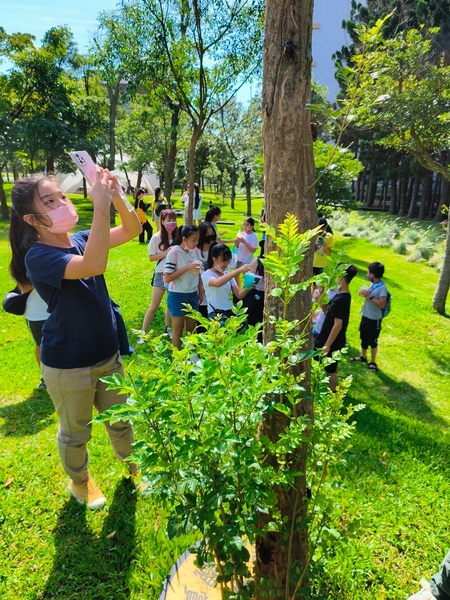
(358, 359)
(372, 366)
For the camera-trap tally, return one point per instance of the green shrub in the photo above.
(400, 247)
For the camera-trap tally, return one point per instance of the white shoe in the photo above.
(169, 332)
(424, 593)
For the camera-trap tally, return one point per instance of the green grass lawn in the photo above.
(393, 491)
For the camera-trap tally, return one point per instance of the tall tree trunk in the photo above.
(402, 194)
(445, 196)
(435, 200)
(197, 131)
(426, 195)
(50, 164)
(233, 180)
(4, 206)
(248, 190)
(393, 202)
(289, 175)
(441, 293)
(371, 189)
(113, 94)
(169, 168)
(415, 195)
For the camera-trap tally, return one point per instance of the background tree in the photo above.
(211, 51)
(397, 89)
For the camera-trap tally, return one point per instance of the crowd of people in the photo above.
(77, 343)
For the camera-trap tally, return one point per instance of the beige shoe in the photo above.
(87, 493)
(425, 592)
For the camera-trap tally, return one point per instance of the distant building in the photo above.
(328, 37)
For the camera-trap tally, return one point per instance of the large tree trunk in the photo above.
(248, 190)
(169, 168)
(393, 202)
(402, 194)
(4, 206)
(289, 188)
(233, 180)
(426, 195)
(415, 195)
(197, 131)
(445, 196)
(440, 295)
(113, 94)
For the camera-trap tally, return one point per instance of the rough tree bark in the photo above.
(169, 168)
(289, 188)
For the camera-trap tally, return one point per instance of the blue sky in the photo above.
(38, 16)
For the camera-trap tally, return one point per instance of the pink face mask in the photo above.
(170, 225)
(63, 219)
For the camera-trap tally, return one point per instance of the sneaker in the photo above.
(169, 332)
(425, 592)
(87, 493)
(42, 385)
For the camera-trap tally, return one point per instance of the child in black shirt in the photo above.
(332, 335)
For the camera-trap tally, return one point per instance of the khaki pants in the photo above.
(74, 393)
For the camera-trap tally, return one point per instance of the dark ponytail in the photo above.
(196, 196)
(22, 235)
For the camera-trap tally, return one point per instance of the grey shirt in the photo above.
(377, 290)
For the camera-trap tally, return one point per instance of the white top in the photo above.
(36, 308)
(204, 254)
(218, 297)
(153, 248)
(176, 259)
(244, 255)
(196, 212)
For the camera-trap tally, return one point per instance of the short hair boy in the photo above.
(372, 314)
(332, 336)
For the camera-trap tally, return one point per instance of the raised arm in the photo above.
(95, 257)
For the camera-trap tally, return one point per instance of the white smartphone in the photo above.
(89, 169)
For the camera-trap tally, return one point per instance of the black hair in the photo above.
(215, 251)
(196, 195)
(203, 232)
(250, 220)
(215, 211)
(377, 269)
(139, 192)
(22, 235)
(322, 222)
(350, 272)
(157, 193)
(165, 214)
(184, 231)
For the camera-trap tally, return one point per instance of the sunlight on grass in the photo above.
(392, 493)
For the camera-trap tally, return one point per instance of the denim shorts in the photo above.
(175, 301)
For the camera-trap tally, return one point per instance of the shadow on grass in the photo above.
(388, 393)
(87, 566)
(28, 417)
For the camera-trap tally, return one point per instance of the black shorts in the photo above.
(36, 330)
(369, 332)
(331, 368)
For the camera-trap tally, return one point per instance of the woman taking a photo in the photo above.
(80, 343)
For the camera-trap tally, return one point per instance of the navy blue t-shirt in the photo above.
(81, 329)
